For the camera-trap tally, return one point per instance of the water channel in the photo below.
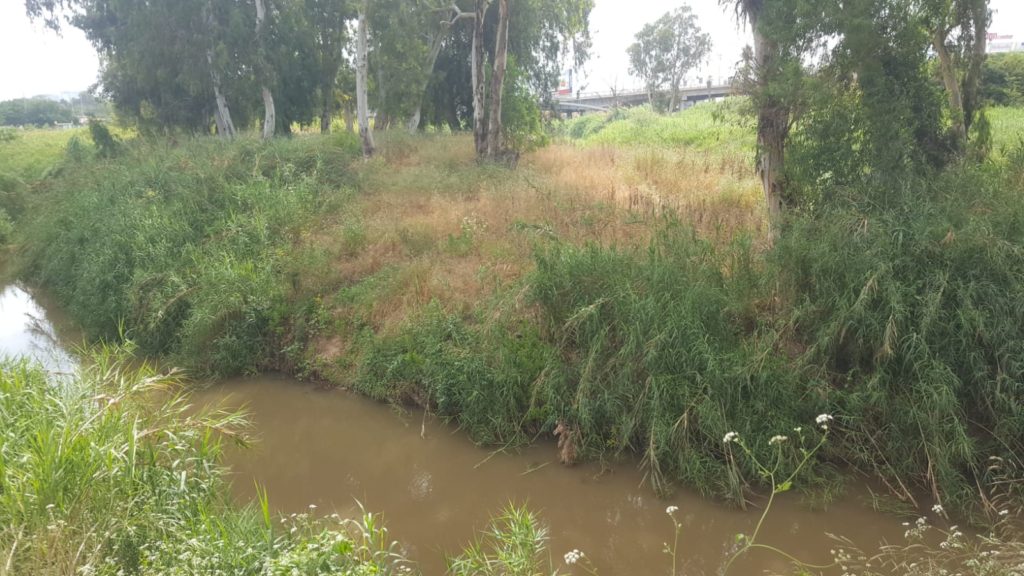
(331, 448)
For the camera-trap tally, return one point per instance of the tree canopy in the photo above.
(666, 51)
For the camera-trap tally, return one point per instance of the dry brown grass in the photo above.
(715, 194)
(436, 227)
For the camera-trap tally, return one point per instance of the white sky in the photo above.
(35, 61)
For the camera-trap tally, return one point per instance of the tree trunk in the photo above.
(362, 97)
(971, 93)
(269, 112)
(479, 91)
(436, 44)
(222, 114)
(952, 84)
(325, 119)
(350, 118)
(494, 131)
(772, 130)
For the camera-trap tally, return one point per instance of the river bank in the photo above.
(331, 449)
(636, 307)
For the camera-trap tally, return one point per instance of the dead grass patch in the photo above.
(431, 225)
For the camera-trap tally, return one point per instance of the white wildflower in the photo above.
(573, 556)
(777, 439)
(1004, 512)
(671, 510)
(731, 437)
(938, 509)
(822, 420)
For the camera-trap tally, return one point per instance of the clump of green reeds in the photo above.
(188, 248)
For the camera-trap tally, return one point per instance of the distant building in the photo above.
(1001, 43)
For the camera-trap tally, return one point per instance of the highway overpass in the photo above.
(603, 101)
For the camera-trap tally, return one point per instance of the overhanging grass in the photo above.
(187, 248)
(110, 472)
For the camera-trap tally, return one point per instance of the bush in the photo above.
(107, 145)
(481, 378)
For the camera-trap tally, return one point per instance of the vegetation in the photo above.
(1004, 79)
(112, 472)
(202, 65)
(635, 310)
(633, 289)
(665, 52)
(38, 112)
(186, 248)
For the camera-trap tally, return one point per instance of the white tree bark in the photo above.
(362, 96)
(436, 43)
(269, 111)
(222, 114)
(494, 130)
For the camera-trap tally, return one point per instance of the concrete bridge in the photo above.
(603, 101)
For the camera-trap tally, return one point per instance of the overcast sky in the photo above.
(36, 61)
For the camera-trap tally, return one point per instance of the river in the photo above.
(332, 449)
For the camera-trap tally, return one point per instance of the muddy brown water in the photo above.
(436, 490)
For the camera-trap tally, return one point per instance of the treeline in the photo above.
(204, 65)
(41, 111)
(37, 112)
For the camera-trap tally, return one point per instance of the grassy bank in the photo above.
(100, 475)
(618, 293)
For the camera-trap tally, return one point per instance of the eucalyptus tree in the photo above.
(328, 21)
(771, 78)
(495, 145)
(959, 32)
(666, 51)
(263, 71)
(362, 79)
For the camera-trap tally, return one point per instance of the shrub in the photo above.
(480, 377)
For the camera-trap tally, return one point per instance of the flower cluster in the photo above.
(822, 420)
(777, 439)
(671, 510)
(573, 556)
(731, 437)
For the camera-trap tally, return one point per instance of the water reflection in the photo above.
(26, 331)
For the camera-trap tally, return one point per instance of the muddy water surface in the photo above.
(436, 489)
(331, 448)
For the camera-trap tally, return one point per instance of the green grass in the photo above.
(188, 248)
(1007, 128)
(31, 153)
(899, 311)
(717, 127)
(894, 304)
(111, 472)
